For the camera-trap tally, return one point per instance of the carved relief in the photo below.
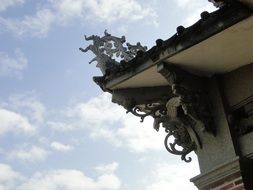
(155, 110)
(179, 127)
(179, 113)
(185, 111)
(183, 137)
(108, 48)
(190, 95)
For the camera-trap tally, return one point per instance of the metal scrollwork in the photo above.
(183, 143)
(108, 48)
(154, 110)
(179, 126)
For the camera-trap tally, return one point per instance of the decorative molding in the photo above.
(109, 48)
(219, 174)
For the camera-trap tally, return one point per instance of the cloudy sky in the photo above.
(58, 131)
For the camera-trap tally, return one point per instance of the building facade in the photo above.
(198, 87)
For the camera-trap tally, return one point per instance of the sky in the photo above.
(58, 130)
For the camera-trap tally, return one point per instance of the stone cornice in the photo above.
(206, 180)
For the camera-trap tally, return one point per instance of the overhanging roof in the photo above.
(218, 43)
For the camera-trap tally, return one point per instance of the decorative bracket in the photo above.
(182, 111)
(190, 94)
(176, 125)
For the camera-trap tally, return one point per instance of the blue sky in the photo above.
(58, 130)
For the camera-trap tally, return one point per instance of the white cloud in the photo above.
(4, 4)
(172, 176)
(12, 66)
(109, 181)
(195, 15)
(36, 25)
(28, 154)
(194, 8)
(14, 122)
(61, 126)
(140, 137)
(67, 179)
(21, 113)
(60, 147)
(8, 177)
(103, 10)
(189, 4)
(7, 173)
(29, 105)
(64, 12)
(107, 133)
(110, 122)
(107, 168)
(97, 111)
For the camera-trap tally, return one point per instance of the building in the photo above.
(197, 85)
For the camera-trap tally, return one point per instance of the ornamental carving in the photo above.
(181, 138)
(155, 110)
(181, 108)
(109, 49)
(191, 95)
(180, 114)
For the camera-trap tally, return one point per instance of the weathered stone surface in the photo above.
(220, 148)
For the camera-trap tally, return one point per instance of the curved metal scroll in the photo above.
(184, 137)
(178, 125)
(154, 110)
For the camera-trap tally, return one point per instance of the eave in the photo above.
(228, 30)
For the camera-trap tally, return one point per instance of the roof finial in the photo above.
(108, 48)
